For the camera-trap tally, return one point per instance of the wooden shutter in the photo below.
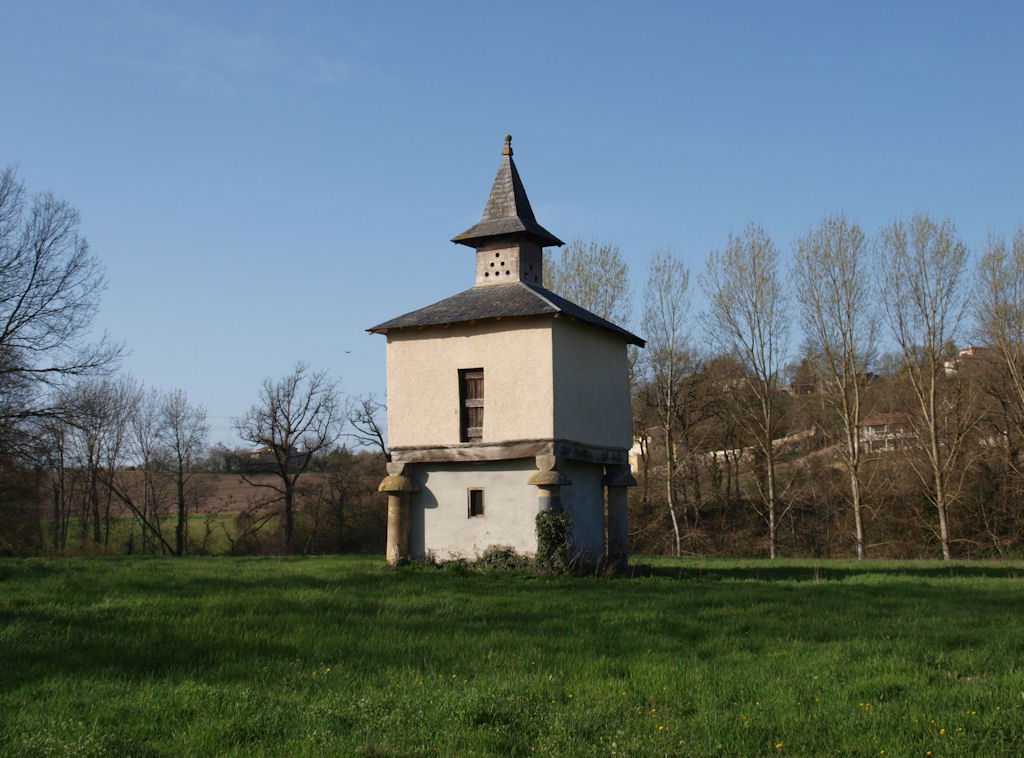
(471, 398)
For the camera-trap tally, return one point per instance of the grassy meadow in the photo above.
(340, 656)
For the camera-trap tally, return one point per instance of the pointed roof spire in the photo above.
(508, 210)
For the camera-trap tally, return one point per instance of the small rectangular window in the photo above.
(476, 503)
(471, 402)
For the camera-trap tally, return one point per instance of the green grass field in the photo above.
(339, 656)
(125, 532)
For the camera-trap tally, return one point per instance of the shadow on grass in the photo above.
(817, 573)
(225, 621)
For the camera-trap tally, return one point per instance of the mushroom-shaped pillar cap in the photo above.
(397, 484)
(549, 479)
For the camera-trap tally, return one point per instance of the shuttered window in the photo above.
(471, 400)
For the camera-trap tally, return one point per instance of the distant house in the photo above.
(799, 388)
(643, 441)
(972, 354)
(264, 457)
(652, 439)
(796, 389)
(885, 431)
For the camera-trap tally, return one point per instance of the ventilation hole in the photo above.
(497, 255)
(492, 265)
(507, 272)
(486, 273)
(503, 263)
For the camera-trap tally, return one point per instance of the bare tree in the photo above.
(833, 288)
(747, 316)
(363, 416)
(51, 453)
(144, 490)
(923, 266)
(668, 360)
(296, 417)
(999, 312)
(593, 275)
(98, 414)
(50, 286)
(183, 432)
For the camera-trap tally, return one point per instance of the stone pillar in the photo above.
(617, 480)
(549, 482)
(398, 488)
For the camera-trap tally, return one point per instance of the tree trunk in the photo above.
(646, 463)
(94, 498)
(57, 513)
(669, 467)
(339, 524)
(937, 472)
(850, 413)
(106, 518)
(940, 506)
(858, 521)
(179, 531)
(287, 525)
(772, 523)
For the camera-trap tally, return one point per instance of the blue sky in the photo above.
(264, 180)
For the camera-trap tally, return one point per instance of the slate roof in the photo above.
(508, 210)
(499, 301)
(887, 419)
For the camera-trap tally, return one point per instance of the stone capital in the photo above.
(397, 484)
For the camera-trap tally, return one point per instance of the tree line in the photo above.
(92, 461)
(825, 407)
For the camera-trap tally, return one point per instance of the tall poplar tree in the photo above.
(747, 316)
(831, 273)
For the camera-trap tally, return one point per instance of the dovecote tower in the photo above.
(504, 400)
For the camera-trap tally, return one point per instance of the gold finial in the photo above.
(507, 150)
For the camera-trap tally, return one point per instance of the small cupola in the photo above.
(508, 239)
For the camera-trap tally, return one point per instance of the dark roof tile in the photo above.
(508, 211)
(499, 301)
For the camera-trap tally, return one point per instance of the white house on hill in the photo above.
(506, 399)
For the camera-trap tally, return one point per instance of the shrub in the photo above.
(553, 531)
(502, 558)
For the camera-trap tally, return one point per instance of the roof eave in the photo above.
(475, 241)
(628, 336)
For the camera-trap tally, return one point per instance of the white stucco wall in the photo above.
(423, 381)
(584, 502)
(591, 385)
(440, 521)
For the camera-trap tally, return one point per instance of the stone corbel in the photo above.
(548, 480)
